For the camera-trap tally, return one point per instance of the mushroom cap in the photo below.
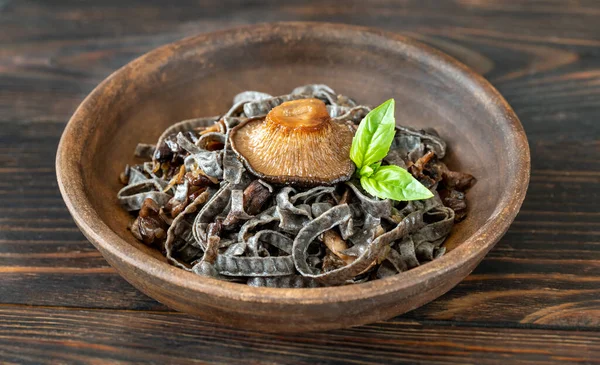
(297, 143)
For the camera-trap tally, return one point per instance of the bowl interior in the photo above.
(199, 77)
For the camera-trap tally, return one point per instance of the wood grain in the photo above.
(75, 335)
(543, 56)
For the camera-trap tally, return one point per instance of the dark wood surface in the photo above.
(534, 299)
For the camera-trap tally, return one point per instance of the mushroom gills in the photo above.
(297, 143)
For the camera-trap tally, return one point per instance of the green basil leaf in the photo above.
(366, 171)
(376, 165)
(394, 182)
(374, 136)
(369, 170)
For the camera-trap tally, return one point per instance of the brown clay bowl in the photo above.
(198, 76)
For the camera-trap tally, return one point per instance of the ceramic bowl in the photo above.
(198, 76)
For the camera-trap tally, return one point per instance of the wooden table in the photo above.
(534, 299)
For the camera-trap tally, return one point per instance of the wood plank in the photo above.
(99, 287)
(46, 257)
(67, 64)
(541, 55)
(51, 335)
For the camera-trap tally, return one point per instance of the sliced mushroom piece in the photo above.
(296, 144)
(255, 196)
(336, 245)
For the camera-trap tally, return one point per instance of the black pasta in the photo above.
(197, 203)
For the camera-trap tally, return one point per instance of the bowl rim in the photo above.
(68, 165)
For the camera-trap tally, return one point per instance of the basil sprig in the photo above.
(370, 145)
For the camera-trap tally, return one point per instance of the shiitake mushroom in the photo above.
(297, 143)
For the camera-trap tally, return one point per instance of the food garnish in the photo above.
(370, 146)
